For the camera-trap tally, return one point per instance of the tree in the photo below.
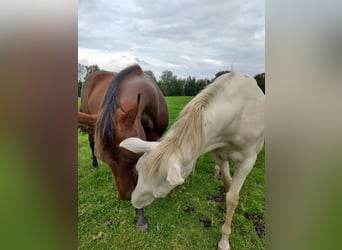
(82, 71)
(166, 79)
(260, 79)
(79, 88)
(170, 85)
(201, 84)
(190, 88)
(91, 69)
(177, 87)
(150, 73)
(221, 73)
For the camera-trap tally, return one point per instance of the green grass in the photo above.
(104, 222)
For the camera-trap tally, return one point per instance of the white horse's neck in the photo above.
(214, 126)
(186, 156)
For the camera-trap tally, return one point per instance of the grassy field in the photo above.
(104, 222)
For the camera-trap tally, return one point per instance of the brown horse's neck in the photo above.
(122, 164)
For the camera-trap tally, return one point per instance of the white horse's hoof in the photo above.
(223, 245)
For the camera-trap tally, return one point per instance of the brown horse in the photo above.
(93, 91)
(133, 106)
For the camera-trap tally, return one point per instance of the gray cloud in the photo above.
(191, 37)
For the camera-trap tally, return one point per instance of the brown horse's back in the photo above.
(94, 90)
(153, 109)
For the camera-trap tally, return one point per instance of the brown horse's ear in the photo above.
(87, 119)
(130, 115)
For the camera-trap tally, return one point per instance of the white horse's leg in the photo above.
(217, 172)
(232, 198)
(224, 169)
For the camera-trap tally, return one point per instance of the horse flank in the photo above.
(104, 129)
(187, 129)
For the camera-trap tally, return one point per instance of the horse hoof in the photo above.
(95, 165)
(223, 245)
(142, 226)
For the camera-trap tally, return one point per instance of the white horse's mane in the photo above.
(187, 129)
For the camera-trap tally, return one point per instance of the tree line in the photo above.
(170, 84)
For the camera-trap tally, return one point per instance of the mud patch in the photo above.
(220, 196)
(190, 210)
(206, 221)
(258, 222)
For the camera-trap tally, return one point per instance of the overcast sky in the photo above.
(189, 37)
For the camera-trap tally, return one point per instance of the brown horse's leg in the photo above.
(232, 198)
(141, 221)
(92, 143)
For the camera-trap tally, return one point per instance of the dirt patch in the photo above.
(258, 222)
(220, 196)
(190, 210)
(256, 218)
(205, 220)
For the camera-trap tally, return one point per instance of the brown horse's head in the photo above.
(115, 123)
(124, 114)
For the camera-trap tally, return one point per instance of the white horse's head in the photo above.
(151, 186)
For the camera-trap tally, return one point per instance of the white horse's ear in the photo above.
(136, 145)
(174, 176)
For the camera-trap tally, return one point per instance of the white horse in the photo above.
(226, 119)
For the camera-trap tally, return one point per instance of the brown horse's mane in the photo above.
(104, 129)
(187, 129)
